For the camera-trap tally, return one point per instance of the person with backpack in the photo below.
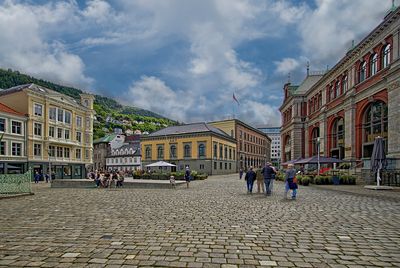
(250, 178)
(187, 176)
(269, 175)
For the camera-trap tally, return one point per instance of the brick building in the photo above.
(340, 113)
(253, 145)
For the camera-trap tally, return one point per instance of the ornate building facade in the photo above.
(344, 110)
(200, 146)
(59, 129)
(253, 145)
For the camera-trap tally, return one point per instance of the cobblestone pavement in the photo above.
(212, 224)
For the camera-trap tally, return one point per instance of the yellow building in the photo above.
(254, 146)
(59, 129)
(202, 147)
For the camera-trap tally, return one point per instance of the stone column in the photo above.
(394, 121)
(349, 129)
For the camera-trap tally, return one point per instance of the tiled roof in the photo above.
(187, 129)
(107, 139)
(4, 108)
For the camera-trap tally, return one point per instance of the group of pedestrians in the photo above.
(266, 177)
(106, 179)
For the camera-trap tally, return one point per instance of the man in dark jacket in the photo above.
(250, 178)
(269, 175)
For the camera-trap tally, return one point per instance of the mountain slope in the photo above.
(110, 113)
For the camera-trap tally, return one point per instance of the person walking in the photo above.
(37, 177)
(187, 176)
(269, 174)
(240, 173)
(289, 181)
(250, 178)
(260, 181)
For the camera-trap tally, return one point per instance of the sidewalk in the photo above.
(360, 190)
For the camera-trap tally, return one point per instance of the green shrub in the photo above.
(305, 180)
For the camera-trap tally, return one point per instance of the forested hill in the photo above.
(109, 113)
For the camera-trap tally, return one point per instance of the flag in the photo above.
(234, 98)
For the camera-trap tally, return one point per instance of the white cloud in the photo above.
(98, 10)
(328, 30)
(286, 65)
(259, 113)
(23, 45)
(153, 94)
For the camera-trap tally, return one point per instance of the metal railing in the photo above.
(15, 183)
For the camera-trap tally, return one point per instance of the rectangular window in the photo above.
(66, 134)
(201, 166)
(78, 153)
(60, 115)
(53, 113)
(3, 148)
(66, 152)
(52, 151)
(226, 165)
(2, 124)
(51, 132)
(38, 109)
(37, 149)
(79, 121)
(16, 127)
(215, 165)
(60, 152)
(16, 149)
(220, 165)
(79, 136)
(87, 154)
(230, 165)
(59, 133)
(37, 129)
(67, 117)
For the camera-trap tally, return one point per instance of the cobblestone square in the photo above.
(214, 223)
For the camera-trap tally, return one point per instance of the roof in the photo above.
(5, 109)
(132, 138)
(308, 83)
(106, 139)
(189, 128)
(43, 91)
(237, 121)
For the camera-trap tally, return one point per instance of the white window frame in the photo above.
(38, 105)
(5, 148)
(55, 113)
(34, 129)
(21, 127)
(20, 143)
(54, 131)
(65, 117)
(40, 149)
(79, 121)
(5, 124)
(65, 134)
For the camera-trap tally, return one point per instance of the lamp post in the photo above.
(318, 146)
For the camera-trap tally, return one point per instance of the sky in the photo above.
(184, 59)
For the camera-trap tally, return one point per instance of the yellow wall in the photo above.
(23, 101)
(226, 126)
(180, 141)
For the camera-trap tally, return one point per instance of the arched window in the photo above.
(337, 88)
(337, 141)
(315, 141)
(202, 150)
(186, 151)
(344, 83)
(373, 64)
(160, 152)
(375, 124)
(148, 153)
(386, 56)
(172, 150)
(362, 72)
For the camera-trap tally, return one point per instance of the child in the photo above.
(172, 181)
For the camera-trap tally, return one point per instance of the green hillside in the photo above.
(109, 113)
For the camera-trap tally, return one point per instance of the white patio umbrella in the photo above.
(161, 164)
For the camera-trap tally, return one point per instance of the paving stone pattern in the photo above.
(212, 224)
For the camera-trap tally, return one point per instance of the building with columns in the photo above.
(347, 107)
(59, 129)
